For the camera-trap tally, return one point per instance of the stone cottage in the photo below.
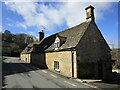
(79, 52)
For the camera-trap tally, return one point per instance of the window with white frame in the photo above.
(56, 65)
(57, 43)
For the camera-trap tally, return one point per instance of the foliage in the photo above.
(115, 69)
(117, 64)
(2, 58)
(116, 56)
(16, 42)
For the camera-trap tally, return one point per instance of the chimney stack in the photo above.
(41, 36)
(89, 13)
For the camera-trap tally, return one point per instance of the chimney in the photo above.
(89, 13)
(41, 36)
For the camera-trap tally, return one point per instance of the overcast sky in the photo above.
(31, 17)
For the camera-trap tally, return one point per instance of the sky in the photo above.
(53, 17)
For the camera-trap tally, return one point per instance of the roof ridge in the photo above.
(80, 32)
(73, 27)
(64, 30)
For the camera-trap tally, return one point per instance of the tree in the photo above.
(7, 36)
(17, 42)
(7, 32)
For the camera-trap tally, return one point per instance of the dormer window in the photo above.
(28, 48)
(57, 43)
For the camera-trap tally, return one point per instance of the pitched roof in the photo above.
(39, 46)
(29, 47)
(73, 36)
(69, 38)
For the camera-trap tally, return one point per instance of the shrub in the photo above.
(117, 64)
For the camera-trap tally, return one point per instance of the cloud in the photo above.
(51, 15)
(0, 28)
(61, 0)
(21, 24)
(112, 41)
(115, 44)
(32, 33)
(10, 25)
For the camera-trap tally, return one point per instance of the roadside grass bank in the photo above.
(115, 68)
(2, 58)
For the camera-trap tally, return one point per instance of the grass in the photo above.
(115, 68)
(2, 58)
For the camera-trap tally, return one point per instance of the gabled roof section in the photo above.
(69, 38)
(62, 39)
(102, 37)
(28, 49)
(46, 43)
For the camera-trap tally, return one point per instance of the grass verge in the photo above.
(2, 58)
(115, 68)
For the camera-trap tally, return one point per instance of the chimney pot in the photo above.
(41, 36)
(89, 13)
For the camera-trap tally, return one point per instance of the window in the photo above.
(56, 65)
(26, 60)
(57, 44)
(45, 46)
(28, 48)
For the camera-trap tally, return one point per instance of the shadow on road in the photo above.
(15, 68)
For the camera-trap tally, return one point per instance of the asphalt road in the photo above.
(17, 74)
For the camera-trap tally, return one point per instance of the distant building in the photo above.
(79, 52)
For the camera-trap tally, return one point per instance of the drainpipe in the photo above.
(72, 52)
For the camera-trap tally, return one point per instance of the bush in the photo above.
(116, 56)
(117, 64)
(2, 58)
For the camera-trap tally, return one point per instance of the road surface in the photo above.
(18, 74)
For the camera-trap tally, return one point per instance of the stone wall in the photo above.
(93, 50)
(25, 57)
(38, 59)
(65, 62)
